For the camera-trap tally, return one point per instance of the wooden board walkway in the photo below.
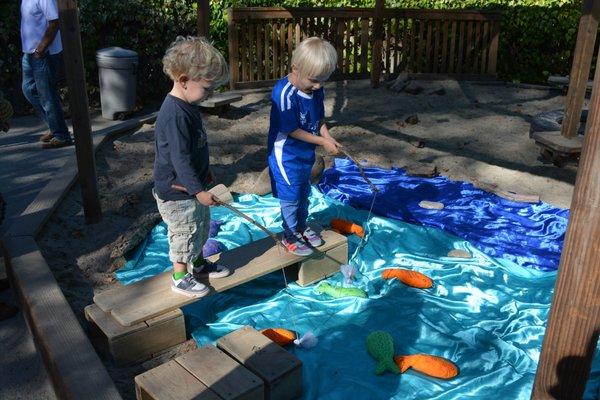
(152, 297)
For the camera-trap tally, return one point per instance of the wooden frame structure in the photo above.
(369, 42)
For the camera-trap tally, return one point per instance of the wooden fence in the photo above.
(455, 43)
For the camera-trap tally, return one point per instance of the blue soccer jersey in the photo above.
(291, 160)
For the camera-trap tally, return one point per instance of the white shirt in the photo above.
(35, 15)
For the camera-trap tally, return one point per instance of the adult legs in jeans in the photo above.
(39, 87)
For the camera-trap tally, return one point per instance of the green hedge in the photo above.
(537, 36)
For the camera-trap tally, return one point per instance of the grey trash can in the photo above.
(117, 73)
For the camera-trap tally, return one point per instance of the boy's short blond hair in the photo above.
(315, 58)
(197, 58)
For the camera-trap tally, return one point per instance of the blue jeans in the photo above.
(39, 87)
(294, 215)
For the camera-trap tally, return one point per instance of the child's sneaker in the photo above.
(297, 246)
(312, 238)
(209, 269)
(188, 286)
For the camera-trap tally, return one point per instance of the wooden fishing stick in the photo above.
(253, 222)
(360, 170)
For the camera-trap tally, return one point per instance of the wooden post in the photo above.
(203, 17)
(78, 102)
(234, 67)
(580, 69)
(574, 321)
(377, 42)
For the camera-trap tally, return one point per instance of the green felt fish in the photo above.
(339, 291)
(380, 346)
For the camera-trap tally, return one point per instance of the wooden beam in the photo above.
(377, 42)
(203, 17)
(574, 322)
(78, 103)
(580, 70)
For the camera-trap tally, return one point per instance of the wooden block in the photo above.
(222, 374)
(151, 297)
(170, 381)
(558, 142)
(221, 99)
(129, 344)
(280, 370)
(459, 253)
(322, 265)
(222, 192)
(431, 205)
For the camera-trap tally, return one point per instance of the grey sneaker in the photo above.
(189, 286)
(297, 246)
(209, 269)
(311, 237)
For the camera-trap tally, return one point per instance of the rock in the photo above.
(412, 119)
(431, 205)
(413, 88)
(118, 145)
(417, 143)
(425, 170)
(458, 253)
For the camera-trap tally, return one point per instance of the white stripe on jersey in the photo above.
(289, 101)
(282, 97)
(278, 150)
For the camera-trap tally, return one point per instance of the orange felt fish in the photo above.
(433, 366)
(282, 337)
(410, 278)
(343, 226)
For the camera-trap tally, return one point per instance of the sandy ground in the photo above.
(471, 132)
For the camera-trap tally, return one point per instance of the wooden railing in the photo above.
(458, 43)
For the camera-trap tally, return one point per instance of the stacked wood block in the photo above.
(245, 366)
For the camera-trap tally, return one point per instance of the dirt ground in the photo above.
(473, 131)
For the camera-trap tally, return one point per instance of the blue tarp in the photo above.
(486, 314)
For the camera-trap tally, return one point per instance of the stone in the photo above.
(431, 205)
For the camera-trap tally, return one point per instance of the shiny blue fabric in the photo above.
(530, 235)
(485, 314)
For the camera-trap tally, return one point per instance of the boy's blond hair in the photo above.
(315, 58)
(197, 58)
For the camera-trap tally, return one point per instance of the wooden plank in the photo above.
(436, 47)
(298, 37)
(377, 42)
(355, 40)
(571, 335)
(468, 48)
(260, 59)
(444, 61)
(69, 357)
(267, 57)
(461, 41)
(290, 43)
(364, 44)
(221, 99)
(580, 69)
(339, 43)
(203, 17)
(451, 55)
(316, 269)
(405, 56)
(558, 142)
(493, 52)
(243, 52)
(477, 46)
(250, 52)
(484, 47)
(413, 54)
(126, 345)
(347, 47)
(221, 374)
(281, 371)
(428, 49)
(275, 48)
(282, 46)
(151, 297)
(421, 45)
(170, 381)
(78, 104)
(232, 35)
(388, 45)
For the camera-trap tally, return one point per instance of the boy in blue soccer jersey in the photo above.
(296, 128)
